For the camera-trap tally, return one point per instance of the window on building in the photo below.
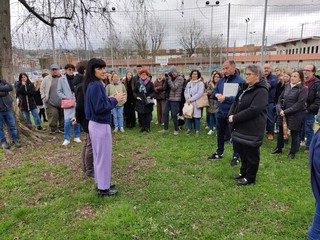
(304, 50)
(297, 50)
(288, 61)
(277, 61)
(312, 49)
(308, 51)
(286, 51)
(317, 49)
(289, 51)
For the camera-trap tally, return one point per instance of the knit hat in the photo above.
(173, 69)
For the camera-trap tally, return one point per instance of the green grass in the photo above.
(167, 190)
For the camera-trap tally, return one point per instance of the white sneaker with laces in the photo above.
(77, 140)
(116, 130)
(210, 132)
(65, 143)
(121, 129)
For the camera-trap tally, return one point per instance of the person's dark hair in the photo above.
(90, 76)
(127, 75)
(217, 73)
(198, 72)
(24, 74)
(314, 69)
(257, 69)
(81, 66)
(69, 65)
(301, 76)
(44, 75)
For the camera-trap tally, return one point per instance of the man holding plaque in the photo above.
(225, 93)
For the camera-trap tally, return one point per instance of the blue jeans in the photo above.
(67, 127)
(212, 120)
(196, 122)
(314, 231)
(172, 106)
(117, 113)
(270, 118)
(6, 117)
(35, 115)
(309, 120)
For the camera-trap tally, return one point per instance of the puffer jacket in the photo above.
(174, 88)
(250, 114)
(293, 102)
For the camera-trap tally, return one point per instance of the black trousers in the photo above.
(145, 120)
(130, 114)
(295, 140)
(250, 158)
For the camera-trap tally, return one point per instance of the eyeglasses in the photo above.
(249, 74)
(307, 70)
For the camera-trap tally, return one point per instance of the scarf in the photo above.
(143, 84)
(310, 82)
(70, 82)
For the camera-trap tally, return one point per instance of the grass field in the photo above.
(167, 190)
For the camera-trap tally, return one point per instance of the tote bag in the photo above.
(203, 101)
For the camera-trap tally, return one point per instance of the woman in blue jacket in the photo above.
(98, 111)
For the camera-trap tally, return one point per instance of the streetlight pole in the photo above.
(300, 44)
(264, 32)
(252, 47)
(251, 36)
(221, 49)
(247, 21)
(211, 16)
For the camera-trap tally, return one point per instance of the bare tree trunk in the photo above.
(6, 68)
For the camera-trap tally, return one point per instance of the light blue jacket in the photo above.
(64, 91)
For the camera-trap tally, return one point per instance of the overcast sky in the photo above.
(283, 21)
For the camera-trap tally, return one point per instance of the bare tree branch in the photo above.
(190, 36)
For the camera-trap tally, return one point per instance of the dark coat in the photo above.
(80, 114)
(293, 102)
(26, 94)
(250, 114)
(141, 107)
(129, 84)
(5, 98)
(314, 153)
(313, 100)
(159, 89)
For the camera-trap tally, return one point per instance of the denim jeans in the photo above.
(67, 126)
(172, 106)
(117, 113)
(270, 118)
(212, 120)
(309, 120)
(196, 122)
(6, 117)
(35, 115)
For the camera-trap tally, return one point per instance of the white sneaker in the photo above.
(116, 130)
(175, 133)
(210, 132)
(121, 129)
(77, 140)
(65, 142)
(207, 127)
